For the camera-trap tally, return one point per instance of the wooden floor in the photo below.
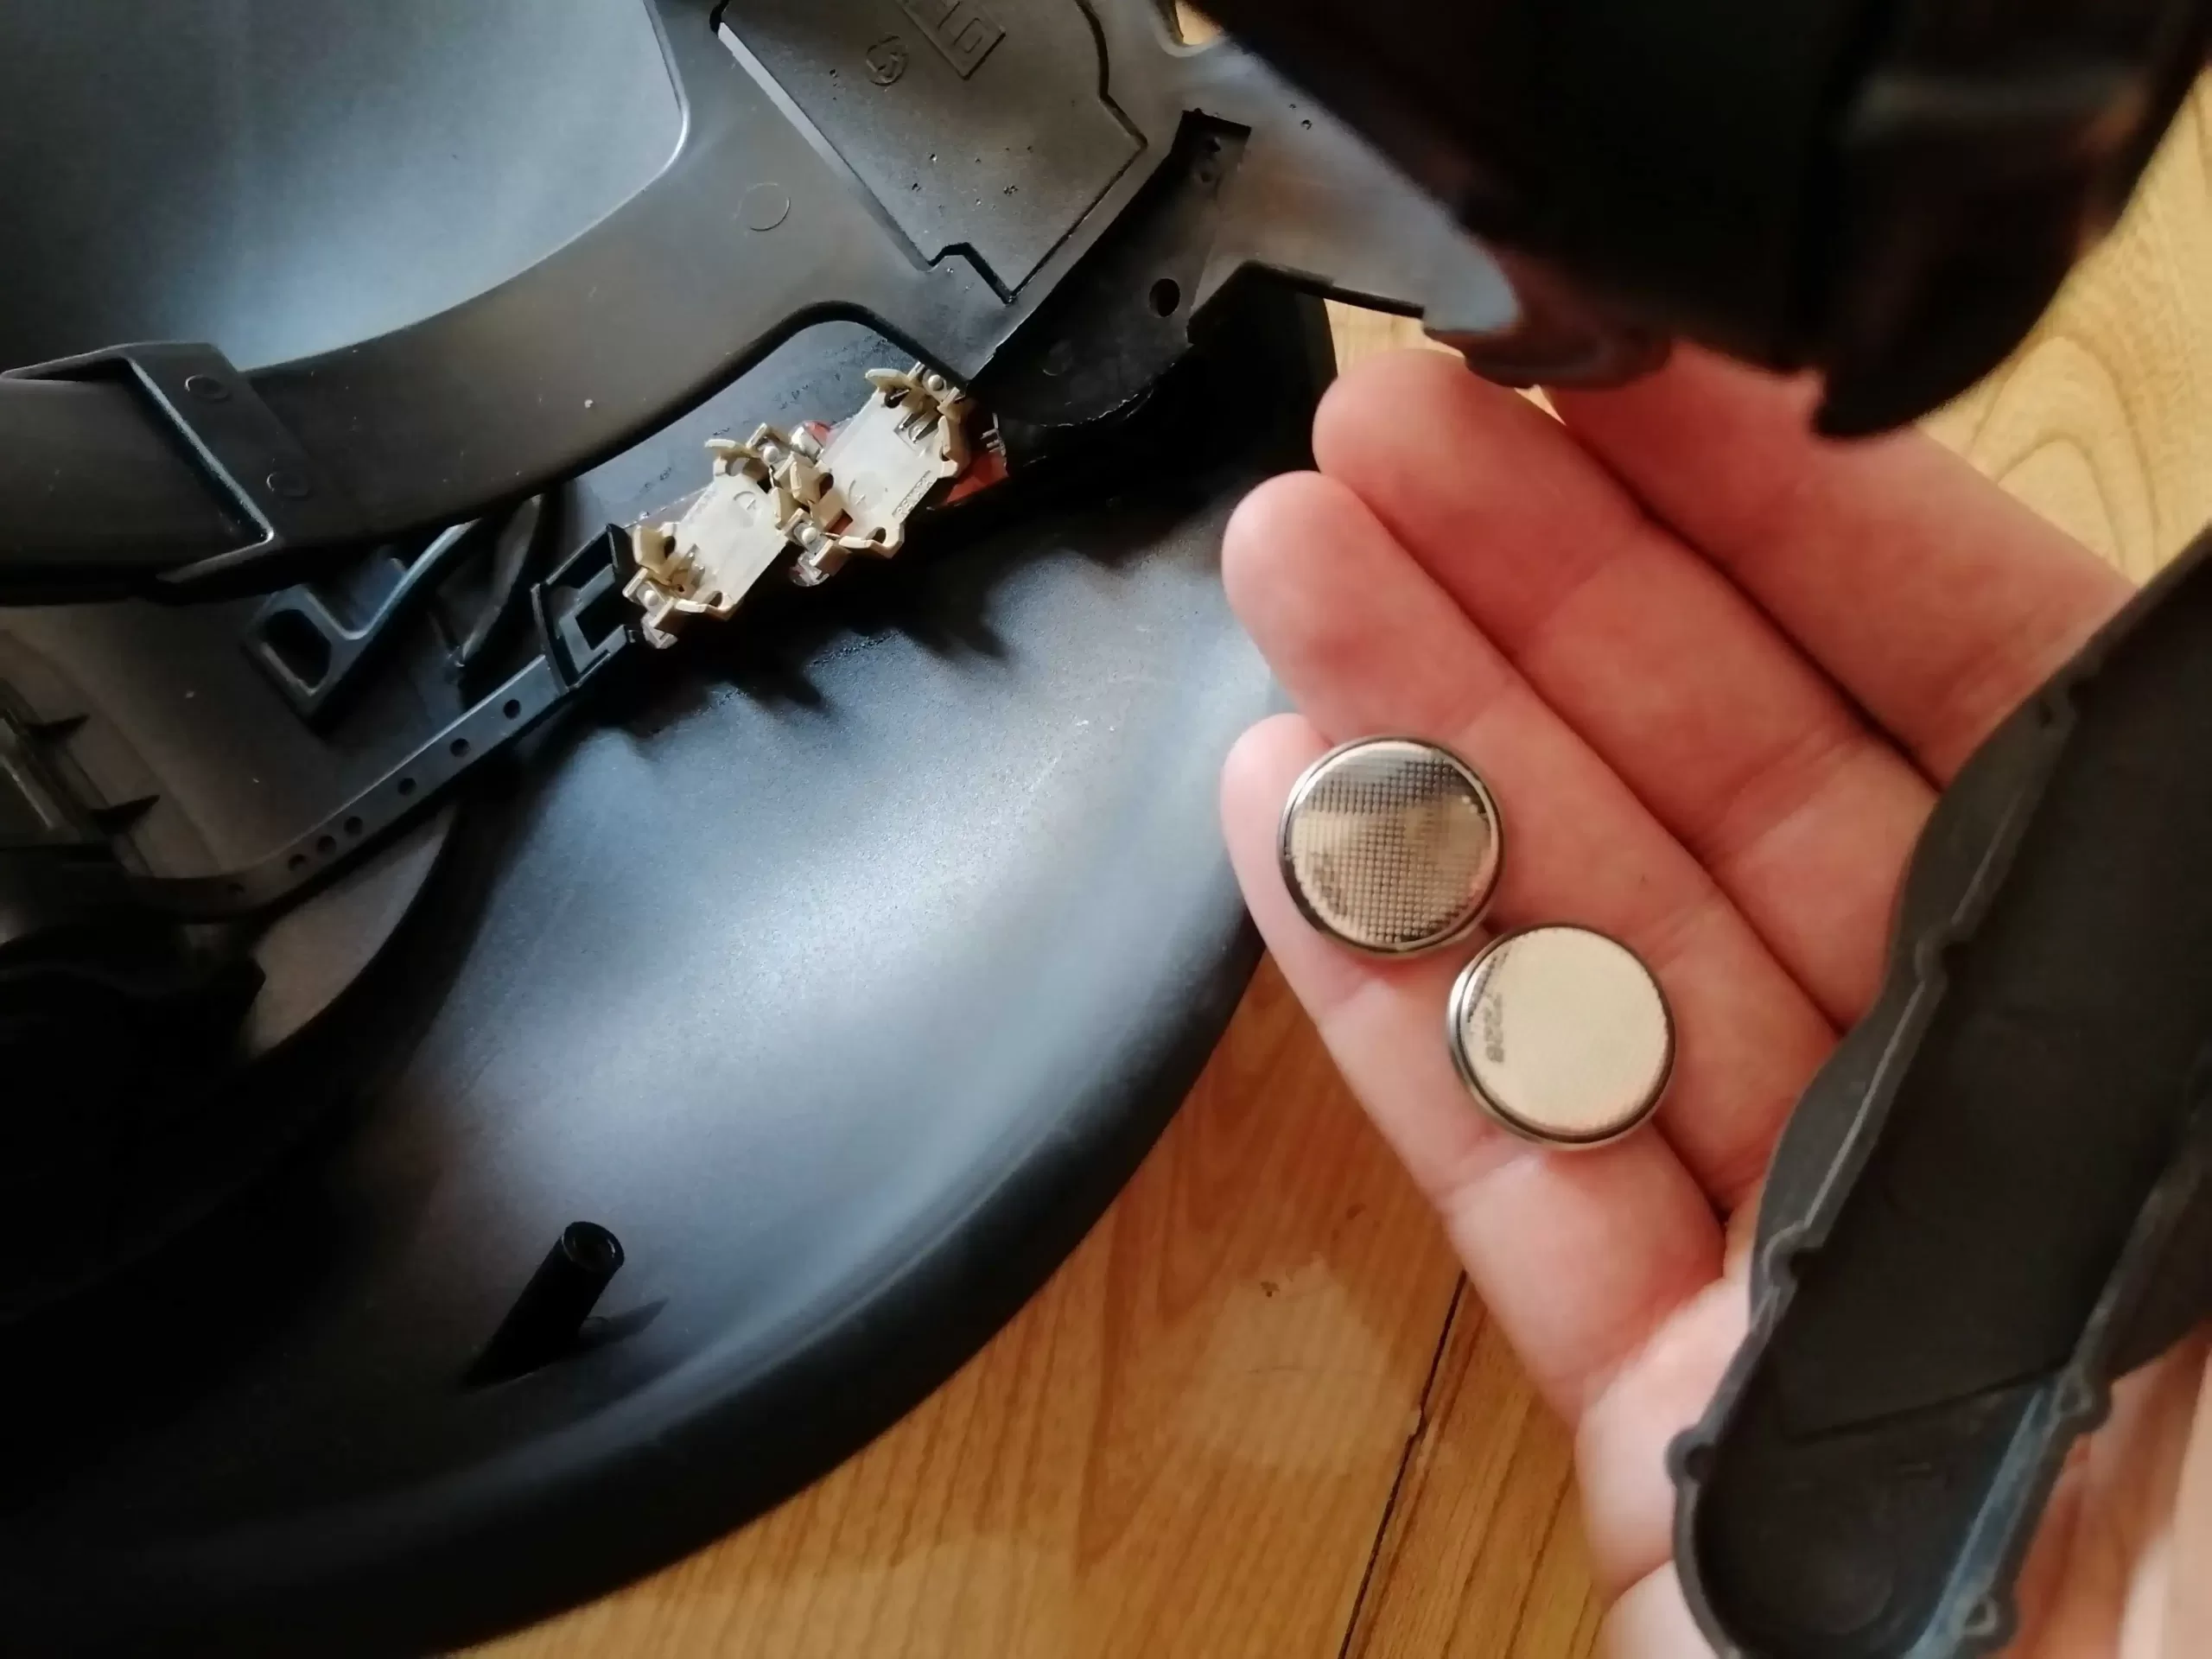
(1257, 1413)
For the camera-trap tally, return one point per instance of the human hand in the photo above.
(1716, 672)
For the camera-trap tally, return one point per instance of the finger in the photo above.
(2122, 1506)
(1366, 642)
(1652, 1621)
(1578, 1257)
(1620, 1445)
(2188, 1596)
(1742, 748)
(1937, 601)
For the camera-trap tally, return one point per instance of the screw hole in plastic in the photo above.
(1984, 1618)
(2075, 1399)
(591, 1247)
(1696, 1461)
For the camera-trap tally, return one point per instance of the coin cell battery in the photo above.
(1391, 846)
(1562, 1035)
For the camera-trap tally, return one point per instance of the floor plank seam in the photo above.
(1426, 1410)
(1536, 1567)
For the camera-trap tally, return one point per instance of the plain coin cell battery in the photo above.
(1391, 846)
(1562, 1035)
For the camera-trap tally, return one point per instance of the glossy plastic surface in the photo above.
(843, 972)
(778, 207)
(1993, 1201)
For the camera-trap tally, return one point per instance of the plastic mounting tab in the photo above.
(271, 484)
(583, 624)
(753, 230)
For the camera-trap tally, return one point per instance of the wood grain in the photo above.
(2103, 419)
(2103, 422)
(1483, 1553)
(1183, 1445)
(1255, 1413)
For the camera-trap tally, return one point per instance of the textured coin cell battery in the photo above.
(1391, 846)
(1562, 1035)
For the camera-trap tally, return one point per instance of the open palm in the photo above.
(1716, 672)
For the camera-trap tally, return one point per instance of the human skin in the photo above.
(1716, 671)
